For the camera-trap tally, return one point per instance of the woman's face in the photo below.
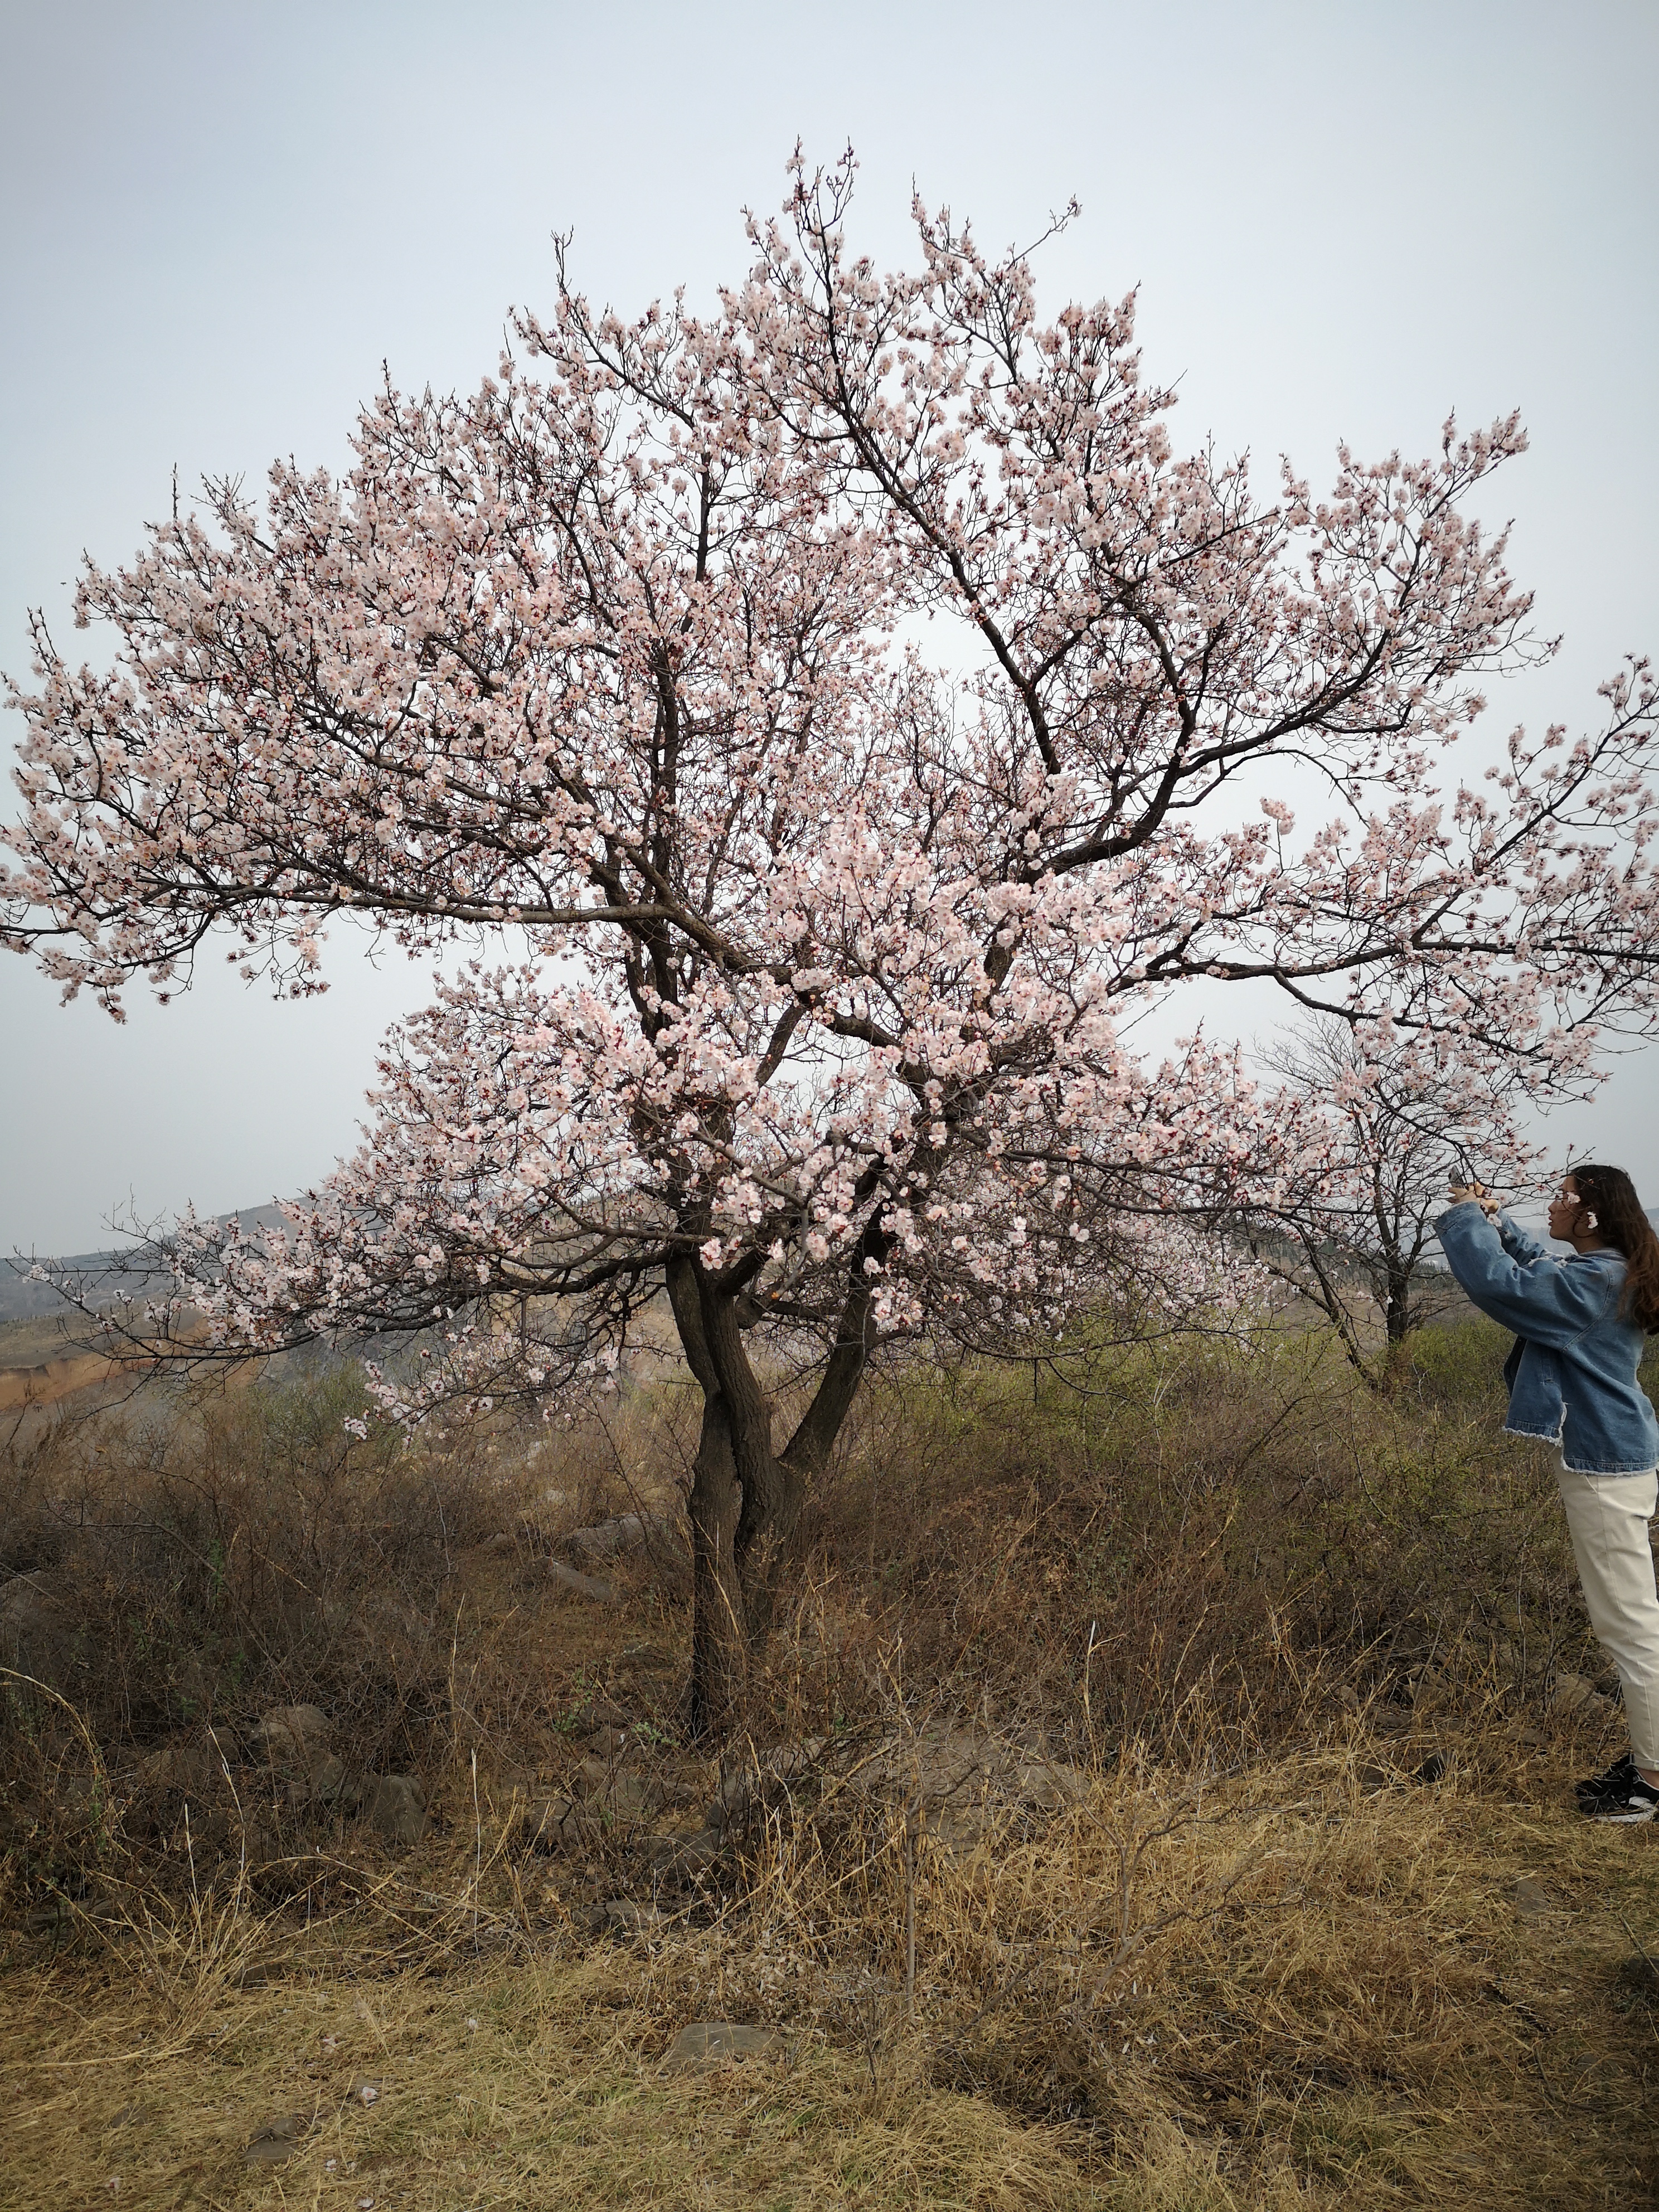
(1567, 1211)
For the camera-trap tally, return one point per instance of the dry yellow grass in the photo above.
(1308, 1993)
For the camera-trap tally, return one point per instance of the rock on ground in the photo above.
(394, 1805)
(288, 1735)
(627, 1796)
(629, 1532)
(1574, 1693)
(185, 1764)
(1532, 1900)
(558, 1824)
(714, 2042)
(580, 1585)
(323, 1782)
(631, 1915)
(689, 1855)
(959, 1782)
(295, 1739)
(277, 2140)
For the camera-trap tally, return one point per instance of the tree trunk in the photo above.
(718, 1631)
(1398, 1321)
(746, 1498)
(719, 1624)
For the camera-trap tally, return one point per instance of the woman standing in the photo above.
(1571, 1376)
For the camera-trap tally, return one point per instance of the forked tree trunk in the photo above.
(746, 1498)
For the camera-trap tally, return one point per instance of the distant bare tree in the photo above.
(1352, 1232)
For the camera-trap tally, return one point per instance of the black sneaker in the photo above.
(1623, 1770)
(1627, 1801)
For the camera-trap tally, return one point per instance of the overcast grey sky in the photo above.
(218, 219)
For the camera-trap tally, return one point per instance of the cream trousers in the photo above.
(1608, 1515)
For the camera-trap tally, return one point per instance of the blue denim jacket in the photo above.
(1572, 1375)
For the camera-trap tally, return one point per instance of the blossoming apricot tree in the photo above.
(809, 1019)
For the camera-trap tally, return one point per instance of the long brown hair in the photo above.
(1611, 1197)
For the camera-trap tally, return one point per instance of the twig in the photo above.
(912, 1822)
(477, 1848)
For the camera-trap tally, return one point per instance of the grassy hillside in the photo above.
(1155, 1795)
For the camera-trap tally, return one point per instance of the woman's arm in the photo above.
(1518, 1242)
(1552, 1304)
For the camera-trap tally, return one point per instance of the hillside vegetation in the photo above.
(1157, 1796)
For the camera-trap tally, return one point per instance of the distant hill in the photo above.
(22, 1299)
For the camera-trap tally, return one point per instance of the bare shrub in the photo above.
(1199, 1552)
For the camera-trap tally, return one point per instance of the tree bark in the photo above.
(746, 1498)
(1399, 1321)
(718, 1629)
